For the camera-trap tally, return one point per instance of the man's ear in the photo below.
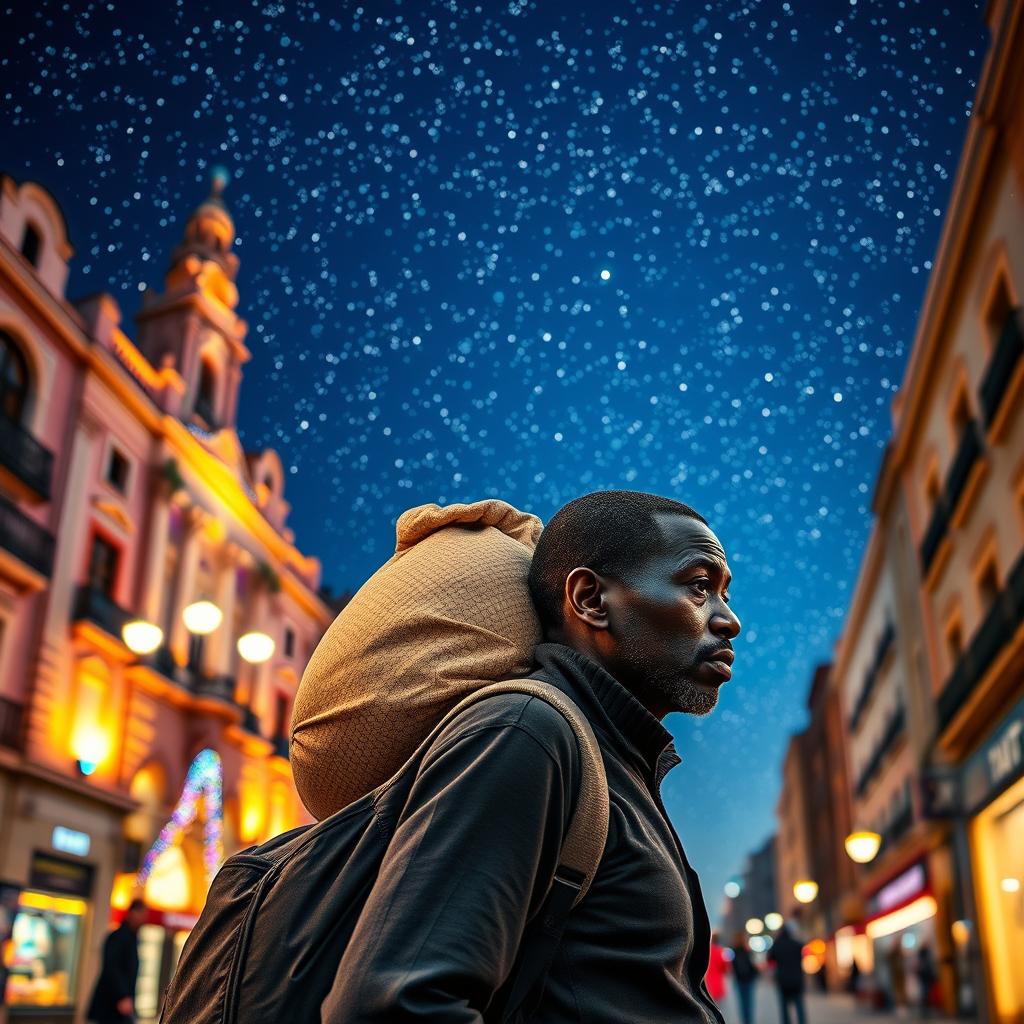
(585, 598)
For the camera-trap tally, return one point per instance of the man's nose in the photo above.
(724, 622)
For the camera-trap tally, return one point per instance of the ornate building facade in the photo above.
(155, 613)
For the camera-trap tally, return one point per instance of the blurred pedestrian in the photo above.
(897, 975)
(717, 966)
(744, 974)
(927, 975)
(787, 956)
(113, 999)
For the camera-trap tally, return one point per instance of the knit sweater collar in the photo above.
(613, 709)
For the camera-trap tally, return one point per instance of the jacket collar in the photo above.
(611, 708)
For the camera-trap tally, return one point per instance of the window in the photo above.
(998, 310)
(954, 641)
(117, 471)
(103, 560)
(44, 950)
(932, 487)
(13, 379)
(289, 642)
(988, 585)
(961, 414)
(31, 244)
(283, 715)
(206, 393)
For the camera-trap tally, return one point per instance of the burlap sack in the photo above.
(448, 613)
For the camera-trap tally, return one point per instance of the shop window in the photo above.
(117, 471)
(13, 379)
(988, 585)
(103, 562)
(44, 950)
(289, 642)
(31, 244)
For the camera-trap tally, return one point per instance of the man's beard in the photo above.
(682, 693)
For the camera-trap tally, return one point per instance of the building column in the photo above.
(218, 651)
(154, 583)
(185, 582)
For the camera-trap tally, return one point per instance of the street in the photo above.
(821, 1009)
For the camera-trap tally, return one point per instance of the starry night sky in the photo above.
(520, 251)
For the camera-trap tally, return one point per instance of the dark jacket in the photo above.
(744, 969)
(474, 853)
(117, 976)
(787, 955)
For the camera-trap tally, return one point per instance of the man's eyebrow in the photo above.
(693, 559)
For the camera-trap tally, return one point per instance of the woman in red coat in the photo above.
(717, 967)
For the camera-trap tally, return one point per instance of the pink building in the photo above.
(125, 499)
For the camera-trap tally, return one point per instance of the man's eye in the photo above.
(702, 583)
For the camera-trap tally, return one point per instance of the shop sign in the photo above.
(60, 875)
(997, 764)
(902, 889)
(67, 840)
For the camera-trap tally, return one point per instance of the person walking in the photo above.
(897, 976)
(113, 999)
(717, 968)
(632, 593)
(744, 975)
(927, 975)
(787, 956)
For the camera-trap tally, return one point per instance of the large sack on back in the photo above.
(448, 613)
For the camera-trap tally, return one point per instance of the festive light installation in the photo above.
(205, 780)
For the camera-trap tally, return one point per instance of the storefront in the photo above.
(901, 930)
(993, 792)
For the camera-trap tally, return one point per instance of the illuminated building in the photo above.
(931, 661)
(125, 497)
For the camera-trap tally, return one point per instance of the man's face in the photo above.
(670, 630)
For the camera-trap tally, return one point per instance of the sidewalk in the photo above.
(821, 1009)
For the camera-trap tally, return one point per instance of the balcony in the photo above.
(967, 454)
(872, 674)
(1004, 617)
(26, 460)
(25, 539)
(11, 715)
(893, 731)
(1005, 359)
(195, 682)
(95, 606)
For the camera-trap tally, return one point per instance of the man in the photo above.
(632, 591)
(787, 956)
(113, 1000)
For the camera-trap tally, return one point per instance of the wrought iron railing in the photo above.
(25, 538)
(30, 461)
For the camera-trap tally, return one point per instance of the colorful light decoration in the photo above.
(204, 779)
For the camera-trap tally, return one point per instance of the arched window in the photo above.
(31, 242)
(206, 392)
(13, 379)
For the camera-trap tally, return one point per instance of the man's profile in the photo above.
(632, 591)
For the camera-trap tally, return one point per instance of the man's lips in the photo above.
(721, 663)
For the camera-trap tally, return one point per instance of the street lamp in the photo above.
(773, 921)
(142, 637)
(755, 926)
(862, 847)
(805, 890)
(732, 889)
(255, 647)
(202, 617)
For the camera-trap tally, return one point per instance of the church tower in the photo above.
(192, 326)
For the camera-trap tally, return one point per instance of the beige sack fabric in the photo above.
(448, 613)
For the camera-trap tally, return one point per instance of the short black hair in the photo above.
(610, 532)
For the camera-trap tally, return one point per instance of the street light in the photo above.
(256, 647)
(773, 921)
(805, 890)
(755, 926)
(142, 637)
(732, 889)
(202, 617)
(862, 847)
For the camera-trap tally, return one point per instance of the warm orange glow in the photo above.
(59, 904)
(920, 910)
(805, 891)
(862, 847)
(169, 886)
(811, 964)
(816, 947)
(90, 746)
(124, 890)
(142, 637)
(202, 617)
(256, 647)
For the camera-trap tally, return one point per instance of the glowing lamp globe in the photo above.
(1010, 885)
(202, 617)
(773, 921)
(805, 891)
(255, 647)
(142, 637)
(755, 926)
(862, 847)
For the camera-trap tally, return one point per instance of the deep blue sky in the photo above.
(427, 195)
